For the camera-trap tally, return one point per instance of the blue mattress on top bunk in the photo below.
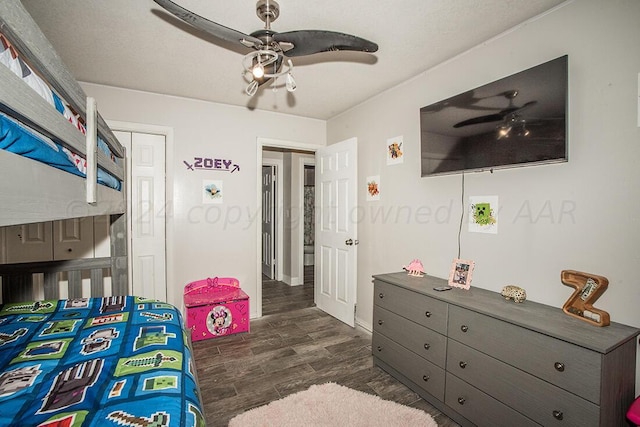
(16, 138)
(110, 361)
(26, 142)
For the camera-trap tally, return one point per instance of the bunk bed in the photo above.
(98, 359)
(32, 191)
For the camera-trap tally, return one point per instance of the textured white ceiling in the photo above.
(135, 44)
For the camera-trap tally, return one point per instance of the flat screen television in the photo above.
(519, 120)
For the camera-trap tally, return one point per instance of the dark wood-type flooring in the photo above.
(293, 346)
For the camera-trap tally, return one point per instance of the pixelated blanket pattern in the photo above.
(113, 361)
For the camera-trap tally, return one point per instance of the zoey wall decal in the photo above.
(395, 153)
(211, 164)
(483, 214)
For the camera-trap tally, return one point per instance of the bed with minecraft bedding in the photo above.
(112, 361)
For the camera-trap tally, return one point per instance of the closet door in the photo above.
(28, 243)
(101, 237)
(146, 203)
(73, 238)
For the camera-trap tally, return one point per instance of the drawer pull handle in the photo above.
(380, 322)
(558, 415)
(381, 295)
(379, 348)
(559, 366)
(463, 364)
(426, 377)
(427, 346)
(464, 328)
(427, 313)
(461, 400)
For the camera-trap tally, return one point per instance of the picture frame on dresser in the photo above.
(461, 273)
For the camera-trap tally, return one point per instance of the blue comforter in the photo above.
(23, 141)
(111, 361)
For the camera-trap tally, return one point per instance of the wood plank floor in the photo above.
(289, 349)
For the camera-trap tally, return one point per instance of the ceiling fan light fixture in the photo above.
(258, 71)
(257, 63)
(290, 83)
(514, 125)
(252, 88)
(504, 131)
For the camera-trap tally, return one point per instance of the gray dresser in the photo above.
(486, 361)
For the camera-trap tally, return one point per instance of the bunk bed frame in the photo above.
(32, 192)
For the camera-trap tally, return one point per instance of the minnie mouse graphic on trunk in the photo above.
(219, 320)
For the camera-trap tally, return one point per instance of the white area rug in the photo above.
(332, 405)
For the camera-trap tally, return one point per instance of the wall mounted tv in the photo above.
(519, 120)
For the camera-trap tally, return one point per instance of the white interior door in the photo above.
(146, 166)
(53, 240)
(73, 238)
(336, 230)
(268, 221)
(29, 242)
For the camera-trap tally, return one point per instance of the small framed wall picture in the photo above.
(461, 272)
(395, 154)
(373, 188)
(212, 191)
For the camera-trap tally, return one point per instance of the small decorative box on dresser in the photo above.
(486, 361)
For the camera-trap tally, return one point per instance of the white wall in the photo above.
(209, 240)
(580, 215)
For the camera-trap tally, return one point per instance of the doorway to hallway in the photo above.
(288, 190)
(287, 236)
(336, 234)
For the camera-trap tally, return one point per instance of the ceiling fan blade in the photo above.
(525, 106)
(308, 42)
(495, 117)
(478, 120)
(213, 28)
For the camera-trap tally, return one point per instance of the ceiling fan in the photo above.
(270, 47)
(510, 113)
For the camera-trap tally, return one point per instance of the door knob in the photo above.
(348, 242)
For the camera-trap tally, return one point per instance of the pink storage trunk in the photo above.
(216, 307)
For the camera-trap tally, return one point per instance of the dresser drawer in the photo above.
(421, 372)
(417, 338)
(568, 366)
(419, 308)
(531, 396)
(484, 410)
